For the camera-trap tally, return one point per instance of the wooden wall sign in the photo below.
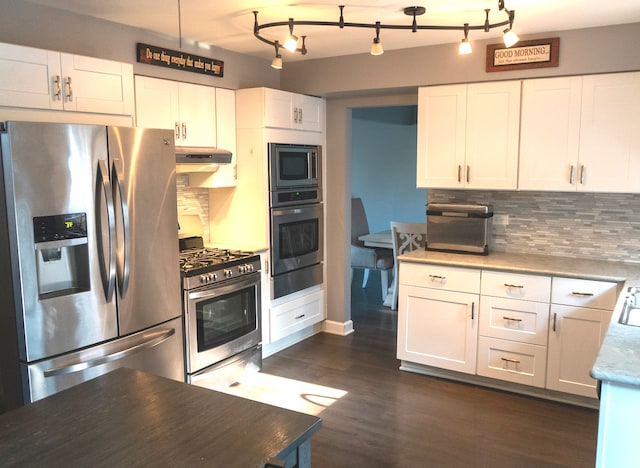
(168, 58)
(537, 53)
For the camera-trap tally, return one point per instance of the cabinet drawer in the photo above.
(296, 315)
(515, 362)
(440, 277)
(510, 319)
(584, 293)
(516, 286)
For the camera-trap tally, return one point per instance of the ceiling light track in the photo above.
(295, 44)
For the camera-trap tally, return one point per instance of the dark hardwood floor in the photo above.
(392, 418)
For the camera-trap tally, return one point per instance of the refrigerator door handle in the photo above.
(107, 265)
(123, 258)
(142, 342)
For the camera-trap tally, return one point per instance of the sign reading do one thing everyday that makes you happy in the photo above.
(168, 58)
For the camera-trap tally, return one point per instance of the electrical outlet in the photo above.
(501, 220)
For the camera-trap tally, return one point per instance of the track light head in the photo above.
(465, 45)
(376, 46)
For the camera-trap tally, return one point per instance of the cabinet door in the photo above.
(278, 108)
(197, 115)
(438, 328)
(492, 129)
(310, 113)
(157, 104)
(97, 85)
(550, 133)
(225, 176)
(609, 136)
(30, 78)
(441, 136)
(575, 337)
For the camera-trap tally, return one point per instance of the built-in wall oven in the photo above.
(221, 302)
(297, 219)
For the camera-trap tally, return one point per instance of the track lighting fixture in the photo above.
(291, 43)
(376, 47)
(465, 45)
(277, 60)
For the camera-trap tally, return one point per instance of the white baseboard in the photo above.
(338, 328)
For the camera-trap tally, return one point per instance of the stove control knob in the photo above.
(228, 273)
(250, 267)
(213, 276)
(204, 279)
(242, 269)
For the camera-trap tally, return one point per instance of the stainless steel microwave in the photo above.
(294, 166)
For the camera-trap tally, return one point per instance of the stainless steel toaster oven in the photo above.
(459, 227)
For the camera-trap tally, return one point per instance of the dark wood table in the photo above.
(131, 418)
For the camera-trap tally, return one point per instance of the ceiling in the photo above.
(229, 23)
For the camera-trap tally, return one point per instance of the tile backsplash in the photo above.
(603, 226)
(193, 201)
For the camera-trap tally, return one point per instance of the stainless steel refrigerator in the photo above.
(89, 269)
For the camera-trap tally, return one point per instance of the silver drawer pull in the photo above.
(437, 277)
(517, 286)
(511, 319)
(575, 293)
(300, 316)
(513, 361)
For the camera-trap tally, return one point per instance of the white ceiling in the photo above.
(229, 23)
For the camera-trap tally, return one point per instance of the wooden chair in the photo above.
(406, 237)
(367, 258)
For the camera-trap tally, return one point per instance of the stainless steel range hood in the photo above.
(200, 159)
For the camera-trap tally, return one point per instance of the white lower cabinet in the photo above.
(521, 363)
(531, 330)
(580, 315)
(294, 315)
(438, 327)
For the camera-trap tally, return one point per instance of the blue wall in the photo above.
(383, 165)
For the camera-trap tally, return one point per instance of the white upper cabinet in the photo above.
(580, 133)
(610, 133)
(226, 175)
(273, 108)
(188, 109)
(550, 133)
(468, 136)
(41, 79)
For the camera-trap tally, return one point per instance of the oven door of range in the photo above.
(221, 320)
(296, 237)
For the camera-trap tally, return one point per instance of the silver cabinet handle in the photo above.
(57, 88)
(300, 316)
(473, 309)
(69, 92)
(572, 174)
(512, 361)
(468, 171)
(581, 294)
(184, 130)
(555, 318)
(516, 286)
(300, 115)
(511, 319)
(583, 174)
(437, 277)
(295, 114)
(177, 130)
(459, 173)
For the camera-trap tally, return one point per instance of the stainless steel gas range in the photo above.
(221, 304)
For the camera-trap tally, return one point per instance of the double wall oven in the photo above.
(297, 220)
(221, 302)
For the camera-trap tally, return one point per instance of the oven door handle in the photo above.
(213, 290)
(297, 210)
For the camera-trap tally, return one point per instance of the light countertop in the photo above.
(619, 356)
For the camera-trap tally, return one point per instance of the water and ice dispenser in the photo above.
(62, 254)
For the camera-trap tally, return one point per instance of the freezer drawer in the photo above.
(157, 350)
